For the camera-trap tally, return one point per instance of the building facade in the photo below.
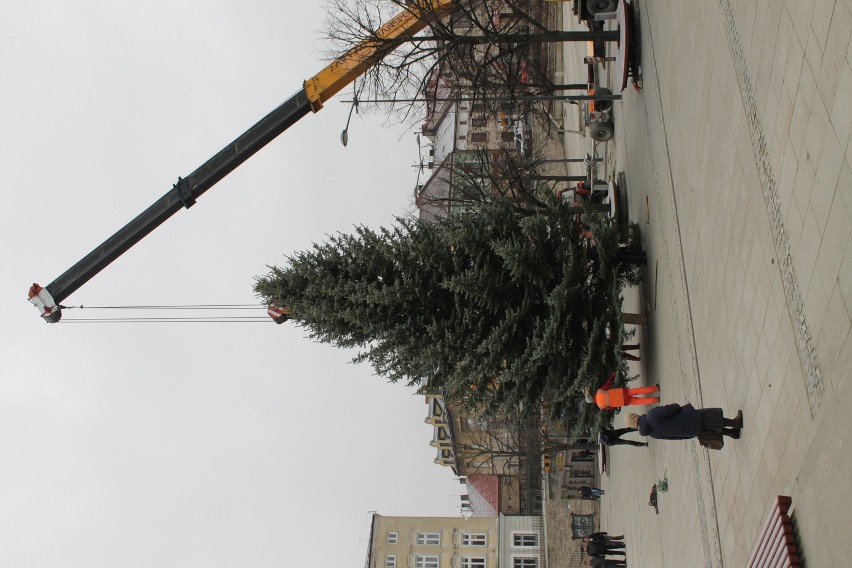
(433, 542)
(456, 542)
(522, 542)
(493, 464)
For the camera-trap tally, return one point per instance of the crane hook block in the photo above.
(41, 299)
(279, 314)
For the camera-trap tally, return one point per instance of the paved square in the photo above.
(736, 162)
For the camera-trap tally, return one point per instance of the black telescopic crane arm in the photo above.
(315, 91)
(183, 194)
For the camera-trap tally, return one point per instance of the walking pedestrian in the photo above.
(676, 422)
(608, 544)
(590, 492)
(609, 437)
(600, 550)
(606, 538)
(608, 398)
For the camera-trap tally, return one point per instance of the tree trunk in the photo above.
(635, 319)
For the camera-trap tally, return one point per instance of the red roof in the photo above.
(484, 492)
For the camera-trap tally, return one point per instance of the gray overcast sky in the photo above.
(186, 444)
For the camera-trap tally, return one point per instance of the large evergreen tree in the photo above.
(499, 310)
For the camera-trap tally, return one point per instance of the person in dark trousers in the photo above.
(617, 541)
(630, 356)
(590, 492)
(609, 437)
(604, 562)
(676, 422)
(631, 256)
(602, 549)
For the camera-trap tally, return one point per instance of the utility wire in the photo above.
(165, 320)
(173, 307)
(246, 318)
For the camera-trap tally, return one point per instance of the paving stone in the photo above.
(841, 110)
(834, 53)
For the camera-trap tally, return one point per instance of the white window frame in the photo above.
(390, 560)
(473, 562)
(519, 538)
(393, 537)
(524, 562)
(474, 539)
(431, 561)
(429, 538)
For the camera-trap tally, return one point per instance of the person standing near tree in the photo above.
(676, 422)
(630, 356)
(601, 549)
(617, 541)
(609, 437)
(590, 492)
(608, 398)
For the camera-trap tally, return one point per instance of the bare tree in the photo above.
(468, 179)
(511, 446)
(482, 48)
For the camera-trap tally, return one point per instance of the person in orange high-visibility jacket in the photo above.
(608, 398)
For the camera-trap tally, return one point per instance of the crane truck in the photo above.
(310, 98)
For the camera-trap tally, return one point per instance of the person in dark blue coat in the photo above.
(676, 422)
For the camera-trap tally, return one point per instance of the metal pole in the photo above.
(559, 178)
(570, 160)
(525, 98)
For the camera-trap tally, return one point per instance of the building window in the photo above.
(430, 538)
(390, 561)
(538, 504)
(473, 562)
(524, 562)
(479, 121)
(584, 455)
(507, 136)
(393, 537)
(525, 539)
(479, 137)
(474, 423)
(473, 539)
(425, 561)
(578, 472)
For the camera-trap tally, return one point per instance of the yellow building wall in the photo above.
(406, 549)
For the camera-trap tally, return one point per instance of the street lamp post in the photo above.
(344, 136)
